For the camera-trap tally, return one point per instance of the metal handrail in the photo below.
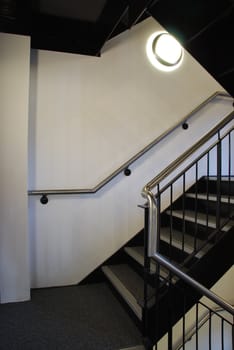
(201, 323)
(153, 246)
(191, 281)
(131, 160)
(152, 198)
(175, 164)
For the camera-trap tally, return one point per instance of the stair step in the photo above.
(137, 253)
(223, 178)
(201, 218)
(129, 285)
(138, 347)
(177, 241)
(211, 197)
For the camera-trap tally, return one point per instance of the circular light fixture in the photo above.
(164, 51)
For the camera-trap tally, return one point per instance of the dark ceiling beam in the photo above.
(111, 18)
(138, 10)
(121, 15)
(185, 18)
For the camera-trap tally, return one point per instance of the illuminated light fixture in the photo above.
(164, 51)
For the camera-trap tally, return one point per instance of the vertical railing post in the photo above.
(170, 311)
(145, 314)
(233, 332)
(219, 172)
(146, 271)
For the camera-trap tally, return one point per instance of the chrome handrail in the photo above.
(150, 196)
(132, 159)
(153, 212)
(191, 281)
(176, 163)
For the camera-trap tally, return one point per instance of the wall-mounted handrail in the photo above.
(124, 166)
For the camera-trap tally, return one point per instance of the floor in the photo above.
(84, 317)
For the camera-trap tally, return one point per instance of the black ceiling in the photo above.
(205, 27)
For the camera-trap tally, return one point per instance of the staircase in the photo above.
(186, 247)
(183, 240)
(186, 244)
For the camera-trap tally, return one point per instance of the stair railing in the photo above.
(211, 155)
(202, 325)
(214, 320)
(154, 200)
(125, 166)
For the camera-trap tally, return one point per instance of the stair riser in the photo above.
(209, 207)
(140, 270)
(171, 252)
(191, 228)
(204, 186)
(126, 307)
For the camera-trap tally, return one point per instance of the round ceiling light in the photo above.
(164, 51)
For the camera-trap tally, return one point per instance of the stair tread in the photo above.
(137, 347)
(133, 282)
(190, 215)
(211, 197)
(223, 178)
(137, 253)
(177, 241)
(129, 284)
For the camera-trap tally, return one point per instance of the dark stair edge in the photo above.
(97, 275)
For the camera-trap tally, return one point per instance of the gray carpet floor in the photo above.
(87, 317)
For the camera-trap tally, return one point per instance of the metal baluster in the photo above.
(233, 333)
(146, 271)
(157, 275)
(183, 206)
(184, 313)
(229, 174)
(171, 223)
(158, 217)
(219, 171)
(222, 333)
(207, 193)
(170, 307)
(196, 205)
(210, 330)
(197, 306)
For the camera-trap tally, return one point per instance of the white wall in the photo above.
(14, 89)
(86, 109)
(88, 116)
